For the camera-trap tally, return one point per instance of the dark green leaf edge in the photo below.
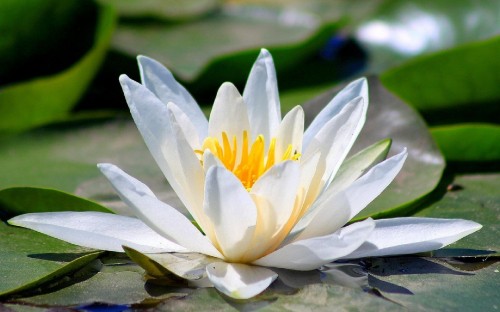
(68, 268)
(286, 55)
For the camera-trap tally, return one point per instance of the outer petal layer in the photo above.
(105, 231)
(310, 254)
(240, 281)
(167, 143)
(156, 214)
(335, 208)
(400, 236)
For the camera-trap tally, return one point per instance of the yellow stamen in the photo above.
(254, 160)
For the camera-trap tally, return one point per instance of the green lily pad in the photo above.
(44, 96)
(395, 31)
(463, 76)
(426, 284)
(122, 283)
(473, 197)
(30, 259)
(171, 10)
(468, 142)
(389, 117)
(226, 42)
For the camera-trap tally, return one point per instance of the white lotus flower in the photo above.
(265, 193)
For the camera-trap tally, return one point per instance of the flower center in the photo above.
(249, 162)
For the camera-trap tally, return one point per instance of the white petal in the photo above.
(228, 114)
(162, 218)
(364, 190)
(164, 139)
(97, 230)
(290, 132)
(240, 281)
(151, 117)
(334, 141)
(231, 211)
(336, 207)
(162, 83)
(262, 98)
(399, 236)
(357, 88)
(274, 194)
(187, 126)
(310, 254)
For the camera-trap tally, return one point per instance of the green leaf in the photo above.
(389, 117)
(465, 75)
(227, 42)
(30, 259)
(427, 284)
(398, 30)
(39, 99)
(164, 9)
(468, 142)
(473, 197)
(19, 200)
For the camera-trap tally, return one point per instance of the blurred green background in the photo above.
(61, 59)
(435, 65)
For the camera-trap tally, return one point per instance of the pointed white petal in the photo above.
(150, 116)
(399, 236)
(162, 218)
(231, 211)
(240, 281)
(290, 132)
(97, 230)
(336, 207)
(229, 114)
(262, 98)
(364, 190)
(357, 88)
(334, 141)
(155, 122)
(310, 254)
(274, 194)
(162, 83)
